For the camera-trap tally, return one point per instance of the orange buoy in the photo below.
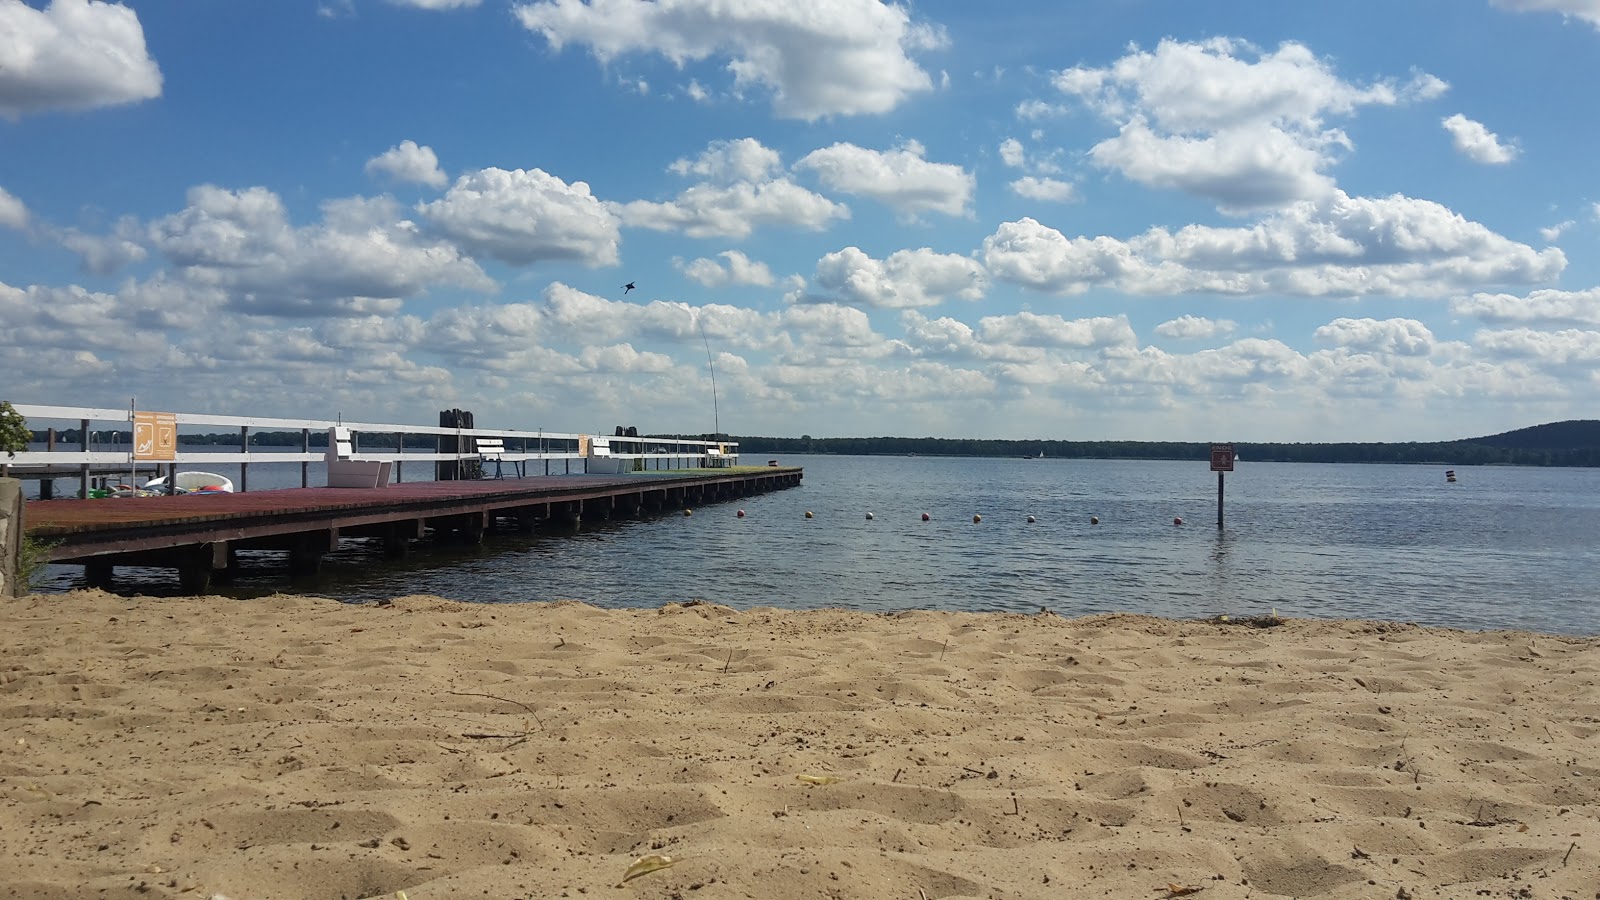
(1176, 520)
(926, 517)
(741, 513)
(808, 513)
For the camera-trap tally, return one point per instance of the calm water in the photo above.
(1502, 548)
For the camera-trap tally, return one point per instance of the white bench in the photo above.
(599, 460)
(494, 449)
(346, 469)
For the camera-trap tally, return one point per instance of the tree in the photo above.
(14, 433)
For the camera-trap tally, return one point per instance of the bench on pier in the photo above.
(494, 450)
(599, 461)
(347, 469)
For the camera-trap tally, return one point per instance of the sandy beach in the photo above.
(295, 747)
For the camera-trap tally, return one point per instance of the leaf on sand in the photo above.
(644, 865)
(819, 779)
(1182, 890)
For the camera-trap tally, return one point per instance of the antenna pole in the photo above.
(716, 420)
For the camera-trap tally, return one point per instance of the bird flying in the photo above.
(627, 287)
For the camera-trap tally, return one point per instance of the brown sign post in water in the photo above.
(1222, 464)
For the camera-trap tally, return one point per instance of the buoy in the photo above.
(808, 513)
(1177, 520)
(1094, 520)
(977, 518)
(926, 517)
(688, 512)
(741, 513)
(1032, 520)
(869, 517)
(1450, 475)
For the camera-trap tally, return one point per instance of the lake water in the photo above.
(1503, 547)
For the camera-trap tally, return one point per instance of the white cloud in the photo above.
(13, 213)
(1047, 189)
(740, 269)
(73, 54)
(1012, 154)
(1341, 246)
(730, 162)
(105, 254)
(363, 258)
(1032, 330)
(741, 192)
(1400, 337)
(839, 57)
(697, 92)
(522, 217)
(1551, 348)
(1553, 233)
(1189, 328)
(1223, 120)
(1549, 307)
(908, 278)
(409, 162)
(898, 178)
(1478, 143)
(1587, 10)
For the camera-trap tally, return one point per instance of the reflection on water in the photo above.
(1503, 547)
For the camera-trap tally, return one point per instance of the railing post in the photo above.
(244, 467)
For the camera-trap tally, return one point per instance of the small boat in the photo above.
(192, 483)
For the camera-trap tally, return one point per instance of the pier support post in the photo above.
(305, 556)
(97, 573)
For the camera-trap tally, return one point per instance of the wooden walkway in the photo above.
(199, 535)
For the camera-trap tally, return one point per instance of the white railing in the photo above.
(520, 444)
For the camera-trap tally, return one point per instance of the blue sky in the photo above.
(1151, 219)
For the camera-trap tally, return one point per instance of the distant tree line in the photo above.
(1558, 444)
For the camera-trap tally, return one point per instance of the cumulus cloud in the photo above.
(1050, 190)
(1339, 246)
(1401, 337)
(73, 54)
(1554, 232)
(363, 258)
(1223, 120)
(742, 191)
(735, 268)
(840, 57)
(1033, 330)
(104, 254)
(1587, 10)
(1548, 307)
(1478, 143)
(908, 278)
(898, 178)
(1552, 348)
(13, 214)
(730, 162)
(526, 216)
(1189, 328)
(410, 163)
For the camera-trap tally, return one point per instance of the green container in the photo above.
(98, 493)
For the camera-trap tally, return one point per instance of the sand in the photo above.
(295, 747)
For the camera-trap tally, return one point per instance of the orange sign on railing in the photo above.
(155, 436)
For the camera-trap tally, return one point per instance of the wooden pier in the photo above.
(199, 535)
